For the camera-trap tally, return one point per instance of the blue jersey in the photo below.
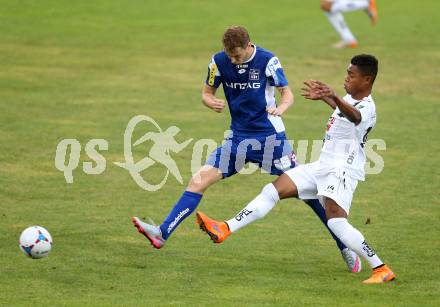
(249, 90)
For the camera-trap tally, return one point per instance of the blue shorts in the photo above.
(272, 153)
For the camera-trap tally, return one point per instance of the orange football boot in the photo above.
(380, 275)
(218, 231)
(372, 12)
(342, 44)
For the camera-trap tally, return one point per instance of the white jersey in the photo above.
(344, 141)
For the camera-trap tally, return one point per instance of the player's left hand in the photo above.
(274, 111)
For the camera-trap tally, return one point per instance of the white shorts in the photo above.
(314, 180)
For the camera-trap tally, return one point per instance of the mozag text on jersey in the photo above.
(243, 86)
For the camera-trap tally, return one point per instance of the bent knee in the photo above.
(197, 184)
(285, 186)
(333, 210)
(203, 179)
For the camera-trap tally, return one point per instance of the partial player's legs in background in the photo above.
(369, 6)
(372, 12)
(333, 10)
(338, 22)
(341, 6)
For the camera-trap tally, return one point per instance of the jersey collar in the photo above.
(253, 54)
(352, 100)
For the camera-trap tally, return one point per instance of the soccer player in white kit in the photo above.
(335, 175)
(334, 9)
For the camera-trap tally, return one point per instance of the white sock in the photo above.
(338, 22)
(349, 5)
(256, 209)
(354, 240)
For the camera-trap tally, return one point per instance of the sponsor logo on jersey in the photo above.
(330, 122)
(242, 71)
(242, 66)
(243, 86)
(242, 214)
(177, 219)
(254, 74)
(212, 73)
(351, 157)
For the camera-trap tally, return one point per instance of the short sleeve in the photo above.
(275, 73)
(214, 77)
(368, 114)
(366, 110)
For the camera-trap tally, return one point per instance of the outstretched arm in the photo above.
(209, 99)
(316, 90)
(285, 102)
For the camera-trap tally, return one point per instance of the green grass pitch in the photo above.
(82, 69)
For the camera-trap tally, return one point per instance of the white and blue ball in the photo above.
(36, 242)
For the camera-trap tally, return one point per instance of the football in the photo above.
(36, 242)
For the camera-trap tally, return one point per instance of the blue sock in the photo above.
(182, 209)
(320, 211)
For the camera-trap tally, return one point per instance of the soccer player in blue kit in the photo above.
(249, 75)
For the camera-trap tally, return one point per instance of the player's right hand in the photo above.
(316, 90)
(217, 105)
